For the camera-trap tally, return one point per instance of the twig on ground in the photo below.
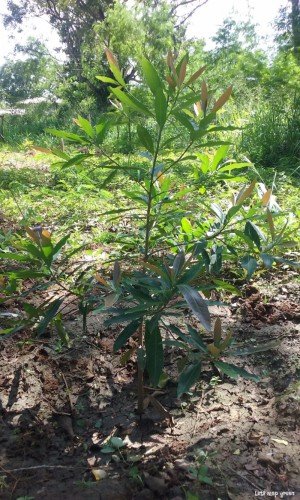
(44, 466)
(255, 486)
(69, 394)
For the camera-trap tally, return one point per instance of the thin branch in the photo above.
(186, 2)
(190, 14)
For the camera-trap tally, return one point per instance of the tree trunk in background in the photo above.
(296, 27)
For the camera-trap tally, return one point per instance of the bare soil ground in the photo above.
(57, 409)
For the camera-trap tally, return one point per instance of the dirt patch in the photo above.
(228, 440)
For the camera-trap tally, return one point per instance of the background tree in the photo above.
(34, 76)
(287, 26)
(86, 27)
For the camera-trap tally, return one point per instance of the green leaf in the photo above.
(101, 130)
(250, 264)
(85, 125)
(117, 74)
(231, 213)
(178, 263)
(151, 76)
(188, 377)
(233, 166)
(114, 67)
(59, 245)
(197, 340)
(66, 135)
(192, 273)
(107, 449)
(145, 138)
(13, 329)
(252, 233)
(203, 126)
(76, 160)
(128, 315)
(130, 101)
(126, 333)
(116, 442)
(174, 329)
(267, 260)
(154, 353)
(174, 343)
(49, 314)
(219, 156)
(105, 183)
(106, 79)
(161, 106)
(184, 120)
(14, 256)
(234, 371)
(197, 304)
(186, 226)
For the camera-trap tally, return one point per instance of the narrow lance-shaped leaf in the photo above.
(66, 135)
(184, 120)
(234, 371)
(15, 256)
(222, 100)
(49, 314)
(170, 63)
(204, 97)
(145, 138)
(151, 76)
(233, 166)
(271, 223)
(219, 156)
(252, 233)
(126, 333)
(59, 245)
(196, 75)
(171, 82)
(130, 101)
(217, 332)
(107, 79)
(114, 67)
(161, 106)
(85, 125)
(197, 305)
(182, 69)
(245, 193)
(196, 339)
(111, 57)
(42, 150)
(178, 263)
(266, 197)
(197, 108)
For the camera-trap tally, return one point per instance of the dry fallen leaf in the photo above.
(99, 474)
(280, 441)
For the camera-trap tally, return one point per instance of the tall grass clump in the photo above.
(272, 137)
